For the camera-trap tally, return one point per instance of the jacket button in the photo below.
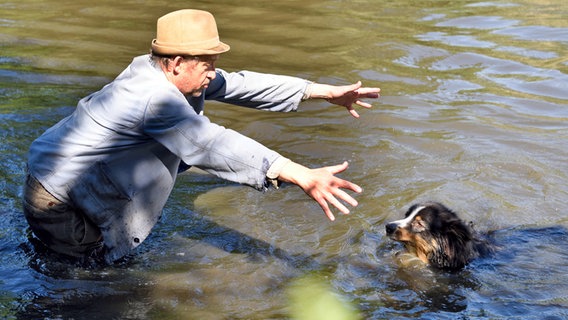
(136, 240)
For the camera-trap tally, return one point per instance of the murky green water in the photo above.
(473, 113)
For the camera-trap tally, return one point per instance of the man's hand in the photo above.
(345, 96)
(322, 185)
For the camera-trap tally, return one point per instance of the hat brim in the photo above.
(180, 50)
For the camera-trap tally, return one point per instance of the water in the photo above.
(473, 114)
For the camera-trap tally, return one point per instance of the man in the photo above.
(99, 179)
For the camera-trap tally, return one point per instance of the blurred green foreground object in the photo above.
(311, 298)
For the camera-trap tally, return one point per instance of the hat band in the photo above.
(205, 44)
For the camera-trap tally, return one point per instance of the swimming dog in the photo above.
(437, 236)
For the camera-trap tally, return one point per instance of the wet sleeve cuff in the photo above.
(308, 91)
(275, 169)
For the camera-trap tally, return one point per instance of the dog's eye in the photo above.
(419, 225)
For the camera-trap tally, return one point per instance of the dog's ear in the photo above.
(455, 244)
(458, 230)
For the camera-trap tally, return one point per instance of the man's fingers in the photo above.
(369, 92)
(338, 168)
(344, 196)
(334, 194)
(336, 203)
(351, 186)
(353, 112)
(326, 210)
(364, 104)
(332, 199)
(355, 86)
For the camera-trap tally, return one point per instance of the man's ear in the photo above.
(176, 64)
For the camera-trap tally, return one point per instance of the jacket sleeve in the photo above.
(257, 90)
(220, 151)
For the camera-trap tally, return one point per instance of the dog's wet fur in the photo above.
(438, 237)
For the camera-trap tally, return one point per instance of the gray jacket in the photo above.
(117, 155)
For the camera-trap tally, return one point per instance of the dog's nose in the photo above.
(391, 228)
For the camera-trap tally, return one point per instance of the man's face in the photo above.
(196, 74)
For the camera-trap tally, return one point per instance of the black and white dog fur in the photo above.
(438, 237)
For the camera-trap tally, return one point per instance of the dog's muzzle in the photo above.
(391, 228)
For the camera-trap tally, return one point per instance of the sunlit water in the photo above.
(473, 114)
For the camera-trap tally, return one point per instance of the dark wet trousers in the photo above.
(59, 226)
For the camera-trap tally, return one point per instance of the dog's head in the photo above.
(434, 234)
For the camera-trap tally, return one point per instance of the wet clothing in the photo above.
(116, 157)
(60, 226)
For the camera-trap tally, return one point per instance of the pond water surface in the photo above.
(473, 114)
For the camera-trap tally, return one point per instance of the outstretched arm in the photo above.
(344, 96)
(322, 185)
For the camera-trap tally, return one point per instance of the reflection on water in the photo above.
(473, 114)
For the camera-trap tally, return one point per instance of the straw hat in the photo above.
(188, 32)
